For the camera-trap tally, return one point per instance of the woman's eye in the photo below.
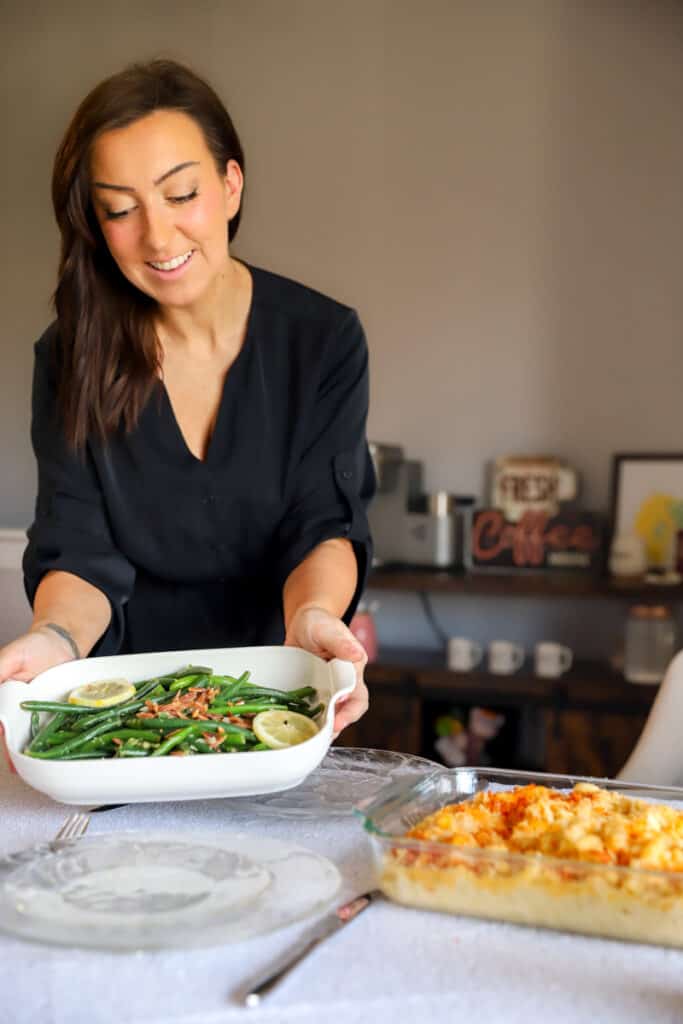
(183, 199)
(117, 214)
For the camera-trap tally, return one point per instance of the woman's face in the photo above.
(163, 207)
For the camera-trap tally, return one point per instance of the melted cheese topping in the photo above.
(586, 824)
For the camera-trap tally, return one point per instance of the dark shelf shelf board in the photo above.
(589, 685)
(525, 583)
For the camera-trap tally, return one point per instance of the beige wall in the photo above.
(495, 185)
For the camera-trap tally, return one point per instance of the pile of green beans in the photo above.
(73, 732)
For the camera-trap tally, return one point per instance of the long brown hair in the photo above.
(108, 354)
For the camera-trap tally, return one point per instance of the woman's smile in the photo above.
(172, 268)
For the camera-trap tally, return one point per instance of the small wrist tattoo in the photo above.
(65, 635)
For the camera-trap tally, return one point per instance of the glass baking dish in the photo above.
(637, 904)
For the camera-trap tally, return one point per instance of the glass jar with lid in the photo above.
(650, 643)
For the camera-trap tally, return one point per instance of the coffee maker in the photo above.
(409, 526)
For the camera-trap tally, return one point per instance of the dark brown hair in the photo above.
(108, 357)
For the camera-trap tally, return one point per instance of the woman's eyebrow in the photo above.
(167, 174)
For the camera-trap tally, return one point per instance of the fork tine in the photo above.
(74, 826)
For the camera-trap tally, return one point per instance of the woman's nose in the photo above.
(158, 230)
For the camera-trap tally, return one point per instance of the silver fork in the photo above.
(74, 827)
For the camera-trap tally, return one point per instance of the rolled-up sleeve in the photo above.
(71, 531)
(333, 480)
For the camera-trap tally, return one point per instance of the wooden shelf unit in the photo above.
(591, 716)
(590, 719)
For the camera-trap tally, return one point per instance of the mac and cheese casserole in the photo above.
(586, 859)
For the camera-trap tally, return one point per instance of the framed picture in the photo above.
(647, 499)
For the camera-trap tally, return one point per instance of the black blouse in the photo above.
(195, 553)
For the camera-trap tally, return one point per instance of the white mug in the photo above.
(627, 556)
(463, 654)
(551, 660)
(505, 657)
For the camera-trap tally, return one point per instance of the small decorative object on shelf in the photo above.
(463, 654)
(458, 744)
(650, 643)
(627, 556)
(647, 499)
(531, 483)
(570, 540)
(504, 657)
(363, 627)
(552, 660)
(409, 525)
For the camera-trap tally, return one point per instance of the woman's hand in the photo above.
(319, 632)
(32, 653)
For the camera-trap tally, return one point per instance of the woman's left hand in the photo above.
(319, 632)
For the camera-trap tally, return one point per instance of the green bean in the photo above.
(145, 735)
(90, 756)
(61, 736)
(264, 691)
(70, 745)
(189, 670)
(249, 709)
(157, 680)
(172, 741)
(41, 737)
(35, 724)
(114, 711)
(165, 723)
(261, 746)
(200, 746)
(53, 705)
(185, 682)
(304, 691)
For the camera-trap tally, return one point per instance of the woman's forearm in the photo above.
(76, 607)
(326, 578)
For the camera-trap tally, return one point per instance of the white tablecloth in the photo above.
(390, 964)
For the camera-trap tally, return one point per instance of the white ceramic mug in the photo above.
(552, 660)
(505, 657)
(463, 654)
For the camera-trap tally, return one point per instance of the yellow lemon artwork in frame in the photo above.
(656, 523)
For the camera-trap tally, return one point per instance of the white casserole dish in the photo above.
(176, 778)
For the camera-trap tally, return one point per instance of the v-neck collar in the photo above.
(212, 446)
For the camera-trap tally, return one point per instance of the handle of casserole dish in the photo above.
(343, 679)
(11, 692)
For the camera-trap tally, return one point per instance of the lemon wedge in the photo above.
(280, 729)
(103, 694)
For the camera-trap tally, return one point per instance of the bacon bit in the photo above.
(192, 704)
(117, 741)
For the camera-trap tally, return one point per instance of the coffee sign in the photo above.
(570, 540)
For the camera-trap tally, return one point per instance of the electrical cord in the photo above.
(428, 610)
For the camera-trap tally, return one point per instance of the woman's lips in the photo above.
(172, 271)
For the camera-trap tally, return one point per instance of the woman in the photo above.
(199, 424)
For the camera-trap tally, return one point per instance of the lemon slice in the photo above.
(280, 729)
(103, 694)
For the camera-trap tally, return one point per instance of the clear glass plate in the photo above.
(132, 891)
(346, 776)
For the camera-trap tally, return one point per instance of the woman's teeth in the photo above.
(172, 264)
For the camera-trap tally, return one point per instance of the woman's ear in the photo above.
(234, 183)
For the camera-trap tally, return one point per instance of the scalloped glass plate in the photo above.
(130, 891)
(345, 776)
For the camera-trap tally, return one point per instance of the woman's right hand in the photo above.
(32, 653)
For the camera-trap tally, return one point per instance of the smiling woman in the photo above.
(199, 423)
